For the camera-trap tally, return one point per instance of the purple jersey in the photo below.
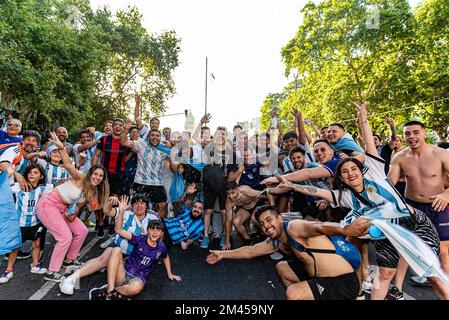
(142, 260)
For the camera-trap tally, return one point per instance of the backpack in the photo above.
(343, 248)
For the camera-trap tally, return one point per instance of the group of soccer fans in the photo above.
(306, 196)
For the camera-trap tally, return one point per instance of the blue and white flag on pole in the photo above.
(10, 235)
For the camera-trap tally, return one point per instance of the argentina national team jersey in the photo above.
(89, 156)
(149, 163)
(130, 225)
(26, 204)
(380, 198)
(183, 227)
(55, 173)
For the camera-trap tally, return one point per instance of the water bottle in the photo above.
(374, 231)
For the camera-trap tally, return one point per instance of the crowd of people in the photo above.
(306, 200)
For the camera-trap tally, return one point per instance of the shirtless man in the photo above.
(246, 200)
(425, 167)
(309, 275)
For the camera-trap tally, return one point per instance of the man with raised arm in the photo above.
(317, 271)
(425, 167)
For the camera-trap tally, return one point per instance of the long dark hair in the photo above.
(31, 167)
(338, 184)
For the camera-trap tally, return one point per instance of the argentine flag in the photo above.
(10, 235)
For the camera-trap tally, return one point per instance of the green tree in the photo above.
(54, 73)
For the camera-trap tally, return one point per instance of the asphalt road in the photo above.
(228, 280)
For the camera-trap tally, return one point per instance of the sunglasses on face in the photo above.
(320, 149)
(13, 125)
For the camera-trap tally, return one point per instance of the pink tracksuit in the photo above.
(69, 236)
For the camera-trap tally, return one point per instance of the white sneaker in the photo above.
(276, 256)
(106, 243)
(366, 286)
(37, 269)
(361, 297)
(66, 285)
(420, 281)
(6, 276)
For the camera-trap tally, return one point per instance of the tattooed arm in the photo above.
(307, 190)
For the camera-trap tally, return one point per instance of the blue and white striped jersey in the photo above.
(149, 163)
(133, 225)
(26, 202)
(89, 156)
(55, 173)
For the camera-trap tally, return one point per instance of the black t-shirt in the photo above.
(385, 153)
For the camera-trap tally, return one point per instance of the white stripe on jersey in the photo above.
(26, 206)
(130, 225)
(55, 173)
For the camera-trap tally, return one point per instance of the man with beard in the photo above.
(187, 226)
(150, 157)
(326, 275)
(15, 156)
(63, 135)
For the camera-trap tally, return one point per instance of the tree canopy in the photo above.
(337, 55)
(64, 64)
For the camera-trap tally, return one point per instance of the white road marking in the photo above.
(42, 292)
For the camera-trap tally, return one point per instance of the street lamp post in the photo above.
(205, 91)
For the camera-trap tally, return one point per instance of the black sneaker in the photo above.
(100, 232)
(115, 295)
(23, 255)
(395, 294)
(99, 293)
(111, 231)
(74, 263)
(54, 277)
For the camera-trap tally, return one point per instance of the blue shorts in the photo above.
(439, 219)
(129, 277)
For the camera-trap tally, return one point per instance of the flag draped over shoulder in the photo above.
(420, 257)
(10, 236)
(413, 249)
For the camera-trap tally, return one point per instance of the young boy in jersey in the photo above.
(127, 279)
(30, 226)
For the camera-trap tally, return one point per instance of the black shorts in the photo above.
(156, 194)
(33, 233)
(117, 184)
(343, 287)
(213, 187)
(387, 256)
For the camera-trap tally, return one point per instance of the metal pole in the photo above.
(205, 93)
